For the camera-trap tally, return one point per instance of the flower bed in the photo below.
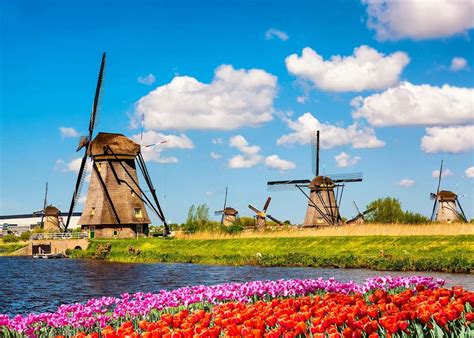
(381, 307)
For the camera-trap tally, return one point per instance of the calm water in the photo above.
(36, 285)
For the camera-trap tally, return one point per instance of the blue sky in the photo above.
(50, 53)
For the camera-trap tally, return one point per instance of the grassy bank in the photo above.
(416, 253)
(8, 248)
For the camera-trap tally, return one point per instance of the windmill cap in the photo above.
(51, 210)
(230, 211)
(119, 143)
(323, 181)
(447, 195)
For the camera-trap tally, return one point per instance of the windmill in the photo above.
(115, 202)
(50, 213)
(261, 216)
(325, 194)
(229, 214)
(446, 204)
(360, 218)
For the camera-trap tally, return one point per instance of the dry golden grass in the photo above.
(429, 229)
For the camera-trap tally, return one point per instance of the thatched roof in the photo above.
(446, 195)
(321, 181)
(230, 211)
(120, 145)
(51, 210)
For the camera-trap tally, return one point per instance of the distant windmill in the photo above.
(325, 192)
(261, 216)
(115, 202)
(360, 218)
(50, 216)
(446, 204)
(229, 214)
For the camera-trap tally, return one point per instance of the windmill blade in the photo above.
(218, 212)
(45, 197)
(357, 208)
(352, 220)
(462, 214)
(225, 205)
(434, 209)
(41, 222)
(432, 196)
(368, 211)
(287, 185)
(251, 207)
(439, 177)
(274, 219)
(267, 203)
(348, 177)
(97, 97)
(77, 189)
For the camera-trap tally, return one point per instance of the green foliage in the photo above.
(25, 236)
(232, 229)
(287, 222)
(389, 210)
(197, 220)
(10, 239)
(247, 222)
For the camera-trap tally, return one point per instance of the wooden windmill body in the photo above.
(261, 215)
(325, 193)
(229, 215)
(115, 202)
(50, 215)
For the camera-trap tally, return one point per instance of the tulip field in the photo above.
(381, 307)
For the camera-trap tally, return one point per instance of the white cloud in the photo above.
(365, 69)
(234, 99)
(68, 132)
(147, 80)
(458, 139)
(332, 136)
(154, 153)
(302, 99)
(241, 143)
(244, 161)
(406, 183)
(415, 19)
(446, 172)
(458, 63)
(344, 160)
(409, 104)
(215, 156)
(275, 162)
(275, 33)
(217, 140)
(469, 172)
(74, 166)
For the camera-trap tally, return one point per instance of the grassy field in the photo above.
(453, 253)
(8, 248)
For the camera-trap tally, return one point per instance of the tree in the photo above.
(198, 218)
(386, 210)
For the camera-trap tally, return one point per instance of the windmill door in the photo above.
(91, 232)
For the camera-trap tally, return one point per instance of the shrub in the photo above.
(232, 229)
(25, 236)
(10, 239)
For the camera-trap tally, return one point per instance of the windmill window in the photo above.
(132, 192)
(115, 232)
(92, 211)
(99, 165)
(138, 212)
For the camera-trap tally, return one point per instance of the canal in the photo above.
(31, 285)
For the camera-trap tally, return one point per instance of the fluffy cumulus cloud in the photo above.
(417, 19)
(273, 33)
(469, 172)
(73, 166)
(68, 132)
(458, 64)
(446, 172)
(147, 80)
(153, 144)
(241, 144)
(457, 139)
(332, 136)
(406, 183)
(235, 98)
(409, 104)
(365, 69)
(344, 160)
(217, 140)
(275, 162)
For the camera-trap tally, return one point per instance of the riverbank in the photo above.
(7, 249)
(396, 253)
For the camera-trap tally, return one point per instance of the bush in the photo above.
(232, 229)
(25, 236)
(414, 218)
(10, 239)
(389, 210)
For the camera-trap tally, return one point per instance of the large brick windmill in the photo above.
(446, 207)
(325, 192)
(115, 202)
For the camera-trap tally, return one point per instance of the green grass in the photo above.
(417, 253)
(8, 248)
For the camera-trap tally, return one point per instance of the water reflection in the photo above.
(30, 285)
